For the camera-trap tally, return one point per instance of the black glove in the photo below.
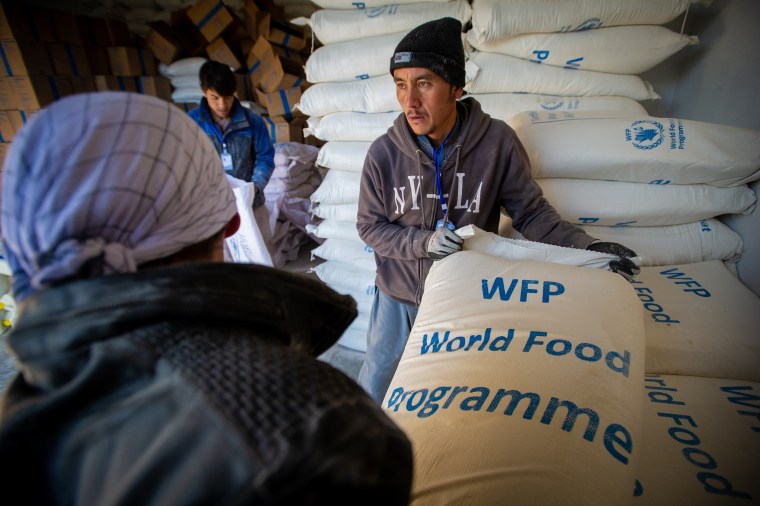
(442, 243)
(625, 267)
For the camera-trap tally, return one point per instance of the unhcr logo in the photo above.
(645, 134)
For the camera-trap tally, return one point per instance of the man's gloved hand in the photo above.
(442, 243)
(625, 266)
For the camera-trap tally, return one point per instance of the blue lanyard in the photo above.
(437, 162)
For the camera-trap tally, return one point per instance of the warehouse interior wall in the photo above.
(718, 81)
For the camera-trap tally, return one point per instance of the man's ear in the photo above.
(232, 226)
(458, 93)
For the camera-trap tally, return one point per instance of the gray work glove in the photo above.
(442, 243)
(624, 266)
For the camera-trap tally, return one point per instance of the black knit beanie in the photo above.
(435, 45)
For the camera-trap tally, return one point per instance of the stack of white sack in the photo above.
(294, 179)
(522, 378)
(351, 103)
(584, 54)
(184, 78)
(653, 184)
(349, 265)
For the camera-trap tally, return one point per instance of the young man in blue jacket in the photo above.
(239, 135)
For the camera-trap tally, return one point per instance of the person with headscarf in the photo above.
(151, 372)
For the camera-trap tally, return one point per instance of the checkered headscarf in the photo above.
(100, 183)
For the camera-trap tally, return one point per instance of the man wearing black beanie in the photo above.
(444, 164)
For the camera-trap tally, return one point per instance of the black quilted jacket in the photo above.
(192, 385)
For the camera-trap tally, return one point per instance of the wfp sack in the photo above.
(348, 252)
(350, 126)
(499, 19)
(617, 49)
(340, 212)
(614, 203)
(353, 4)
(343, 155)
(331, 26)
(700, 443)
(338, 187)
(639, 149)
(356, 59)
(247, 244)
(504, 106)
(688, 243)
(376, 94)
(331, 229)
(700, 320)
(521, 380)
(499, 73)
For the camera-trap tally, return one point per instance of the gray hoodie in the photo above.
(488, 169)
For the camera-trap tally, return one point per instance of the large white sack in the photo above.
(700, 321)
(521, 383)
(182, 67)
(353, 4)
(340, 212)
(617, 49)
(343, 155)
(520, 249)
(338, 187)
(700, 442)
(376, 94)
(331, 26)
(499, 73)
(640, 149)
(614, 203)
(675, 244)
(505, 106)
(498, 19)
(347, 277)
(247, 244)
(331, 229)
(355, 59)
(350, 126)
(348, 252)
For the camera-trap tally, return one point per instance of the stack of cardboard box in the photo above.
(46, 55)
(264, 51)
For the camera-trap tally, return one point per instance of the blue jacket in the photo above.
(247, 140)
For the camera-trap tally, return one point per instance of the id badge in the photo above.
(227, 162)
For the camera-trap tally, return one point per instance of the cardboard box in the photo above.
(6, 128)
(165, 46)
(131, 61)
(257, 25)
(156, 86)
(187, 33)
(3, 153)
(280, 102)
(290, 55)
(6, 93)
(251, 9)
(220, 51)
(281, 130)
(244, 90)
(67, 28)
(69, 60)
(285, 39)
(98, 59)
(23, 22)
(264, 66)
(82, 84)
(211, 17)
(186, 106)
(35, 92)
(291, 81)
(20, 118)
(23, 58)
(115, 83)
